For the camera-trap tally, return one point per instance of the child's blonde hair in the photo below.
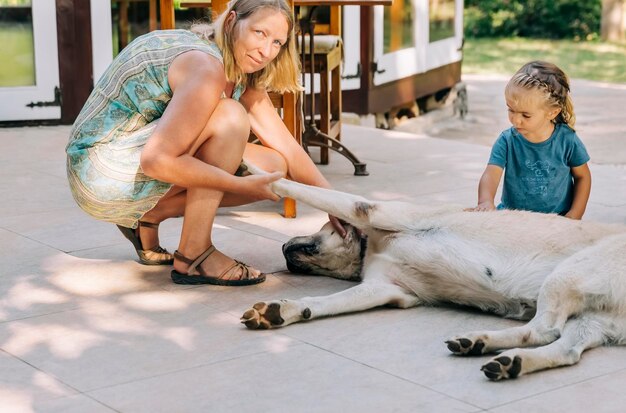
(282, 74)
(548, 78)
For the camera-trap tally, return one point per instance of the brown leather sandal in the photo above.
(153, 256)
(201, 277)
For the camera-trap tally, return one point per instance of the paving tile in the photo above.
(410, 344)
(604, 394)
(17, 251)
(72, 404)
(24, 388)
(32, 192)
(62, 282)
(284, 379)
(137, 336)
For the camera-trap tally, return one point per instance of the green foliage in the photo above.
(553, 19)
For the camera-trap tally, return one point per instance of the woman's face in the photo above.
(259, 38)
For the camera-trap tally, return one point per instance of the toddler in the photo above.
(543, 160)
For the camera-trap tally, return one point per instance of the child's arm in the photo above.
(582, 188)
(487, 188)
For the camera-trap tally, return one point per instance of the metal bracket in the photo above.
(375, 68)
(55, 102)
(356, 75)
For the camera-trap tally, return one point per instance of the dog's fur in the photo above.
(568, 276)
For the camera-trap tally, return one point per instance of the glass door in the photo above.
(415, 36)
(442, 33)
(29, 69)
(396, 53)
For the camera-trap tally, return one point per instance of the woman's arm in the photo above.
(272, 132)
(582, 189)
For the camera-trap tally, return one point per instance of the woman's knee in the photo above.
(265, 158)
(276, 162)
(230, 119)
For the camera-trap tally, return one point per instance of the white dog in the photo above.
(568, 276)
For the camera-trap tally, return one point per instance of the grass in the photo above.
(592, 60)
(17, 63)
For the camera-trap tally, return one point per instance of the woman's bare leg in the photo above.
(219, 140)
(221, 144)
(171, 205)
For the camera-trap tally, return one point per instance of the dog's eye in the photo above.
(332, 233)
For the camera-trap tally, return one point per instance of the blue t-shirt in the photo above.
(537, 176)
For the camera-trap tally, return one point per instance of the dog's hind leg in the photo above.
(364, 296)
(579, 334)
(544, 328)
(565, 293)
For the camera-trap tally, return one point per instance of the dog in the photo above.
(567, 277)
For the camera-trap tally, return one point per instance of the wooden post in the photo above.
(74, 42)
(123, 23)
(153, 15)
(167, 14)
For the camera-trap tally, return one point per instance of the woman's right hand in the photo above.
(258, 187)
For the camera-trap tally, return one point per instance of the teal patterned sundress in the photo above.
(119, 116)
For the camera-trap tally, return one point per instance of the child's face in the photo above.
(259, 38)
(529, 113)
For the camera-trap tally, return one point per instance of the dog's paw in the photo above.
(503, 367)
(264, 316)
(466, 347)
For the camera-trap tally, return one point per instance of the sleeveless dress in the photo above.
(119, 116)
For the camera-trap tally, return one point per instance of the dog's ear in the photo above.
(351, 234)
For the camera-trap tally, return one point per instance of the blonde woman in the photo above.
(167, 125)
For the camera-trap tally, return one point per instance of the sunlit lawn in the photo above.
(584, 60)
(17, 66)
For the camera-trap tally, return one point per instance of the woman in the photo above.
(167, 125)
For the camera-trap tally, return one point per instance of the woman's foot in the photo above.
(149, 251)
(215, 268)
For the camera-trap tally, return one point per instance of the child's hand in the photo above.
(483, 206)
(573, 215)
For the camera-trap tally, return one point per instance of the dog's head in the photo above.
(326, 253)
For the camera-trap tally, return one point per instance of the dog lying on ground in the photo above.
(568, 277)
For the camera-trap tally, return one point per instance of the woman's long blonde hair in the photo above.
(553, 82)
(282, 74)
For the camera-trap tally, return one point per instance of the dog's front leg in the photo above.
(364, 296)
(354, 209)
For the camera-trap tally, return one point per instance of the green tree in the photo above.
(552, 19)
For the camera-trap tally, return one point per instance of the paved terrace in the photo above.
(85, 328)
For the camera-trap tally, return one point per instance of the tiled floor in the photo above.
(85, 328)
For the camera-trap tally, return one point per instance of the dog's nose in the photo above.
(307, 248)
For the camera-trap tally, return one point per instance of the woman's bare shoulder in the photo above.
(196, 67)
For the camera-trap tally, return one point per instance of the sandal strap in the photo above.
(245, 270)
(147, 224)
(158, 249)
(194, 263)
